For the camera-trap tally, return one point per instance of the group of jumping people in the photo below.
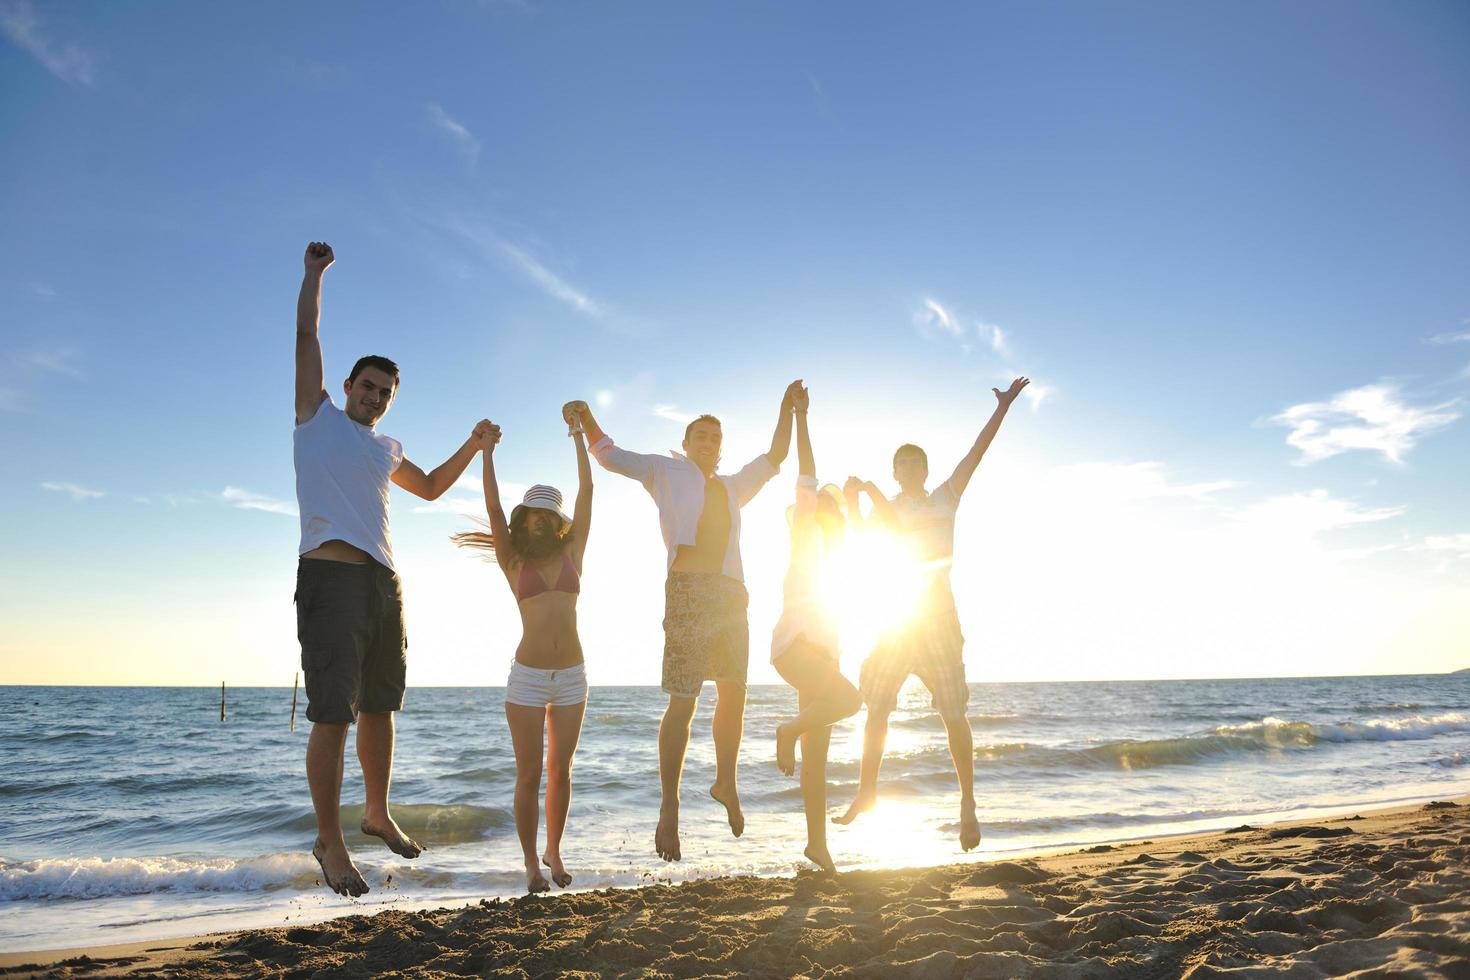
(353, 644)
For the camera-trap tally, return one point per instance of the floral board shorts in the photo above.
(932, 648)
(706, 636)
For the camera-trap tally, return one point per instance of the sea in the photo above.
(132, 814)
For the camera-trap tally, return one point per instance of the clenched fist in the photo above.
(318, 257)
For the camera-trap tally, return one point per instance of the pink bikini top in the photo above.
(530, 583)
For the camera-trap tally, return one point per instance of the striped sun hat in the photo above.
(541, 497)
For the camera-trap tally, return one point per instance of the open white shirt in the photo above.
(677, 487)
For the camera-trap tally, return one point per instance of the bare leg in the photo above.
(962, 751)
(729, 725)
(565, 727)
(875, 733)
(826, 697)
(527, 732)
(814, 795)
(673, 741)
(324, 750)
(375, 754)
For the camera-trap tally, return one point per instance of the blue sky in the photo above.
(1227, 241)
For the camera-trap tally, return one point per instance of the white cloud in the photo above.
(1451, 338)
(57, 361)
(673, 414)
(250, 500)
(554, 285)
(932, 316)
(1136, 481)
(68, 62)
(472, 506)
(44, 290)
(76, 491)
(1310, 513)
(1456, 546)
(1374, 418)
(456, 130)
(994, 335)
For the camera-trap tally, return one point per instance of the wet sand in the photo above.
(1382, 894)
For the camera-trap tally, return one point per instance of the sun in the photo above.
(871, 584)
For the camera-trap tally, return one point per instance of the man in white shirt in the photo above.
(929, 644)
(349, 602)
(706, 634)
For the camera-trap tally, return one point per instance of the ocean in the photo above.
(135, 813)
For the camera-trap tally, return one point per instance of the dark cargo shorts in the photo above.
(349, 619)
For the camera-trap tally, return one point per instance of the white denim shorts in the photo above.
(537, 688)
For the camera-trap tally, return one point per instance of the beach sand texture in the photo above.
(1387, 894)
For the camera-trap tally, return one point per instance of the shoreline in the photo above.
(1100, 909)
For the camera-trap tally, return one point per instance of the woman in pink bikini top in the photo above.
(540, 550)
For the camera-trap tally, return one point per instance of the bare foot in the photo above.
(730, 800)
(389, 833)
(863, 803)
(785, 750)
(535, 880)
(818, 855)
(969, 829)
(666, 837)
(559, 873)
(338, 871)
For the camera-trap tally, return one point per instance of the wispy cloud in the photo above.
(75, 490)
(68, 62)
(456, 130)
(1463, 337)
(250, 500)
(1454, 546)
(993, 335)
(932, 317)
(1146, 480)
(472, 506)
(1311, 512)
(554, 285)
(44, 290)
(1374, 418)
(673, 414)
(59, 360)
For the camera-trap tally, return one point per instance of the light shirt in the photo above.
(342, 471)
(803, 613)
(927, 523)
(677, 487)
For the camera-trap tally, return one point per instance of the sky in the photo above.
(1227, 242)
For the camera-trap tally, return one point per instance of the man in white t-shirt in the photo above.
(929, 644)
(349, 603)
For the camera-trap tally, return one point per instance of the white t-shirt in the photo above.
(342, 471)
(928, 524)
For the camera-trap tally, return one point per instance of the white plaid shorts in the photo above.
(932, 648)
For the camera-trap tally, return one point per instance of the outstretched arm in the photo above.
(882, 507)
(499, 530)
(781, 439)
(966, 469)
(582, 511)
(431, 485)
(614, 459)
(806, 463)
(310, 389)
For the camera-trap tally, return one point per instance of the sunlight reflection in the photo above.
(871, 584)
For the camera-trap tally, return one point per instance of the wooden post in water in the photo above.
(221, 700)
(295, 683)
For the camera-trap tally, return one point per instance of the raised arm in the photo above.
(882, 507)
(966, 468)
(431, 485)
(781, 438)
(488, 438)
(614, 459)
(310, 389)
(582, 511)
(806, 463)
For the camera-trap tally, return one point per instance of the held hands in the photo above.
(574, 414)
(1009, 395)
(485, 436)
(800, 397)
(851, 488)
(318, 257)
(794, 391)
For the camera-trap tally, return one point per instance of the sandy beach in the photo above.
(1377, 894)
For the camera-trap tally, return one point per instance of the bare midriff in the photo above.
(711, 537)
(549, 638)
(336, 550)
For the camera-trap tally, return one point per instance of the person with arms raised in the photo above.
(349, 602)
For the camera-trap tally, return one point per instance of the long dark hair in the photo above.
(522, 545)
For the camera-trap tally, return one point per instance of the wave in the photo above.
(101, 877)
(1275, 731)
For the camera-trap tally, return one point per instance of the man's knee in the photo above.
(680, 709)
(528, 780)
